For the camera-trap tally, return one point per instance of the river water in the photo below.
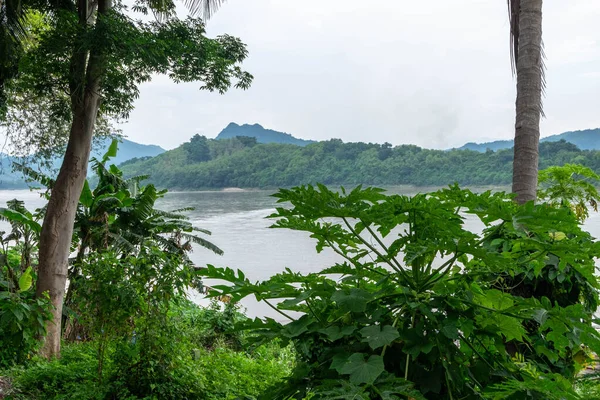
(237, 220)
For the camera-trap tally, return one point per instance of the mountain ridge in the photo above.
(262, 135)
(128, 150)
(587, 139)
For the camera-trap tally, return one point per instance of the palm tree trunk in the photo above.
(57, 229)
(530, 80)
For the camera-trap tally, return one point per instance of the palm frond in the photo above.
(144, 203)
(13, 16)
(172, 226)
(184, 209)
(120, 243)
(205, 231)
(169, 245)
(204, 8)
(202, 242)
(513, 16)
(170, 215)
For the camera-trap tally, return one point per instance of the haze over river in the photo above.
(239, 227)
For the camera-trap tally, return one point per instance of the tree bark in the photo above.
(57, 229)
(530, 78)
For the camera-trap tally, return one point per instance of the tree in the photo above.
(83, 72)
(527, 58)
(197, 149)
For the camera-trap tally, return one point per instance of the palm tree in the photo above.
(528, 64)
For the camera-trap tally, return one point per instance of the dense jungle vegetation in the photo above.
(420, 308)
(240, 162)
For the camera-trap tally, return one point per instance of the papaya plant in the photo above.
(417, 307)
(570, 185)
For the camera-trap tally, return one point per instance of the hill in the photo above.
(261, 134)
(588, 139)
(239, 162)
(128, 150)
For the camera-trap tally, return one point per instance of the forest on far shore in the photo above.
(205, 163)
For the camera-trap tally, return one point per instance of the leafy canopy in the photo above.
(50, 82)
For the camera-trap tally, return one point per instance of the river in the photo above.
(237, 220)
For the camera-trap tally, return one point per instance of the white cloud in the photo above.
(434, 73)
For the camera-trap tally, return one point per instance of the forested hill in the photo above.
(261, 134)
(588, 139)
(241, 162)
(127, 150)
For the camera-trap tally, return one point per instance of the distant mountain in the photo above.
(127, 150)
(588, 139)
(261, 134)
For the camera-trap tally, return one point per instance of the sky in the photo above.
(433, 73)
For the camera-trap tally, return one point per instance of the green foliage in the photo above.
(22, 321)
(232, 375)
(22, 315)
(588, 386)
(422, 307)
(202, 373)
(572, 186)
(232, 164)
(41, 86)
(72, 377)
(197, 149)
(214, 326)
(120, 214)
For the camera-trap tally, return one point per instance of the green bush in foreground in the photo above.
(218, 373)
(423, 308)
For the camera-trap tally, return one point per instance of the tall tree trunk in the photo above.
(57, 229)
(530, 79)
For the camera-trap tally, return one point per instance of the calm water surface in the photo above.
(240, 228)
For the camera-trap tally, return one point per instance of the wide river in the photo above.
(239, 227)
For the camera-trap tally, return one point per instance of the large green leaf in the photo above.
(361, 370)
(112, 151)
(354, 300)
(13, 216)
(26, 280)
(378, 336)
(335, 332)
(87, 197)
(298, 327)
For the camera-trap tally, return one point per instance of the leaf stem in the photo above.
(408, 355)
(374, 250)
(278, 310)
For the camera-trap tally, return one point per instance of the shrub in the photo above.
(417, 307)
(22, 320)
(72, 377)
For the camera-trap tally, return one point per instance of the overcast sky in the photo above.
(433, 73)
